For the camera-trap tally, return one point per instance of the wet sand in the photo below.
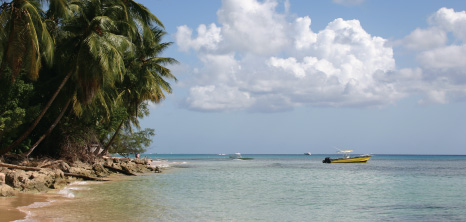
(15, 208)
(9, 205)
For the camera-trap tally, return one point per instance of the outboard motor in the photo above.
(326, 160)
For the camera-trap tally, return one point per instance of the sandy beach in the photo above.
(25, 204)
(9, 205)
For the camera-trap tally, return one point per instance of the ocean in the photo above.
(272, 188)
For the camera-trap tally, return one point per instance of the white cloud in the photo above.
(218, 98)
(441, 75)
(423, 39)
(256, 60)
(435, 96)
(304, 37)
(448, 57)
(207, 38)
(260, 60)
(348, 2)
(253, 27)
(450, 21)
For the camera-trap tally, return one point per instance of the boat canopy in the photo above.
(344, 151)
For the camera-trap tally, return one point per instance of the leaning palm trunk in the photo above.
(50, 128)
(34, 124)
(113, 138)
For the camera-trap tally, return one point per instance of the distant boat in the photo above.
(307, 153)
(237, 156)
(221, 154)
(347, 158)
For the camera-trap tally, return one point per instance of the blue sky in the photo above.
(301, 76)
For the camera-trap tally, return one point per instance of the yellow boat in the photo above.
(347, 159)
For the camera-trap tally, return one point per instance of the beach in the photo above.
(36, 189)
(9, 206)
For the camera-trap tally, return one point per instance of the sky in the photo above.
(295, 76)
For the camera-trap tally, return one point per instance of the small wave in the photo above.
(78, 183)
(28, 212)
(66, 193)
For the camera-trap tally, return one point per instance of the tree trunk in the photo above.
(34, 124)
(50, 128)
(113, 138)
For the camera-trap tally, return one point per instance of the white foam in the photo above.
(66, 193)
(79, 183)
(27, 210)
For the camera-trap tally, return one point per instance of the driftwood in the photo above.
(120, 171)
(48, 164)
(12, 166)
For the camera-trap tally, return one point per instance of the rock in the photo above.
(126, 168)
(64, 166)
(59, 183)
(4, 170)
(16, 178)
(99, 170)
(140, 161)
(116, 166)
(2, 178)
(80, 171)
(82, 165)
(6, 191)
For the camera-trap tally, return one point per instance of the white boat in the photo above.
(237, 156)
(307, 153)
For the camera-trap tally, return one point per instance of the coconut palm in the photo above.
(24, 44)
(24, 39)
(146, 79)
(90, 51)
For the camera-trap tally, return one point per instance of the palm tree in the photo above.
(145, 79)
(91, 51)
(24, 39)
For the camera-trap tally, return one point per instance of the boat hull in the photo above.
(359, 159)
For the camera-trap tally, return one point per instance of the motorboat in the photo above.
(347, 158)
(307, 153)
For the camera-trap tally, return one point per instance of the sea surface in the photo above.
(273, 188)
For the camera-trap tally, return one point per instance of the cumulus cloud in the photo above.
(207, 38)
(450, 21)
(252, 26)
(257, 59)
(423, 39)
(442, 69)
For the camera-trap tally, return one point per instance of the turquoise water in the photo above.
(278, 188)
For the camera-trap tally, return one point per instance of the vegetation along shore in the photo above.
(76, 76)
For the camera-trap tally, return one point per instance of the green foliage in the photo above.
(132, 142)
(14, 107)
(109, 49)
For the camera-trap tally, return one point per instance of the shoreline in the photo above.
(10, 206)
(25, 201)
